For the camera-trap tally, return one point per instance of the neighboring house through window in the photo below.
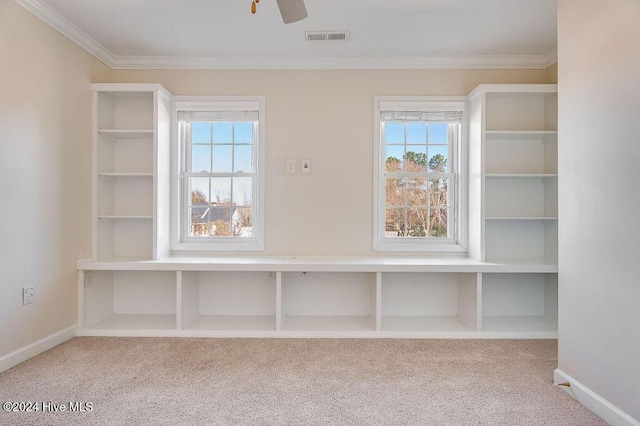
(418, 186)
(219, 173)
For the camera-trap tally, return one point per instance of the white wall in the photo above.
(599, 165)
(325, 116)
(45, 147)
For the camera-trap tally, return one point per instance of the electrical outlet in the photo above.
(88, 278)
(28, 295)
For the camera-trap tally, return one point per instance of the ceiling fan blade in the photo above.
(292, 10)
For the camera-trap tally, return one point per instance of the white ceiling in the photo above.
(224, 33)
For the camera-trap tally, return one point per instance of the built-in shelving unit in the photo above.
(307, 297)
(514, 168)
(131, 152)
(507, 287)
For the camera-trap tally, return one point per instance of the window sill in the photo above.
(432, 249)
(204, 248)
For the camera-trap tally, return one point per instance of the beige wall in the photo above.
(45, 151)
(327, 117)
(598, 155)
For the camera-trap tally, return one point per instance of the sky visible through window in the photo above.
(222, 147)
(416, 139)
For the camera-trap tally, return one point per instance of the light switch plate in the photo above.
(291, 166)
(28, 295)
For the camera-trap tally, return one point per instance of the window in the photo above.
(219, 174)
(418, 182)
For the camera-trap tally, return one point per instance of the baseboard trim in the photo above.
(21, 355)
(594, 402)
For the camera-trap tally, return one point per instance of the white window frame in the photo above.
(456, 246)
(188, 245)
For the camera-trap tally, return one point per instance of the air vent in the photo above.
(326, 35)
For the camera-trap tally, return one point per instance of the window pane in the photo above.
(393, 161)
(416, 158)
(242, 223)
(394, 133)
(417, 221)
(438, 133)
(243, 132)
(394, 192)
(201, 158)
(438, 223)
(222, 158)
(199, 222)
(394, 223)
(416, 192)
(199, 190)
(221, 191)
(242, 191)
(220, 220)
(438, 158)
(417, 133)
(200, 132)
(222, 132)
(243, 158)
(438, 192)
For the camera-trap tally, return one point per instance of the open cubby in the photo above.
(328, 301)
(125, 156)
(125, 197)
(125, 110)
(429, 302)
(513, 241)
(521, 111)
(228, 301)
(521, 154)
(520, 303)
(524, 197)
(124, 238)
(128, 300)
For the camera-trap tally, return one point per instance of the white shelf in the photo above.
(520, 134)
(520, 324)
(125, 175)
(233, 322)
(135, 321)
(521, 175)
(328, 323)
(314, 264)
(124, 217)
(115, 134)
(523, 262)
(520, 218)
(424, 323)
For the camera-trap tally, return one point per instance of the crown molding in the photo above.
(68, 29)
(82, 39)
(247, 63)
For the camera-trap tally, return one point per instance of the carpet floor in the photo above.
(159, 381)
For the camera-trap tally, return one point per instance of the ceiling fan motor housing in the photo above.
(292, 10)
